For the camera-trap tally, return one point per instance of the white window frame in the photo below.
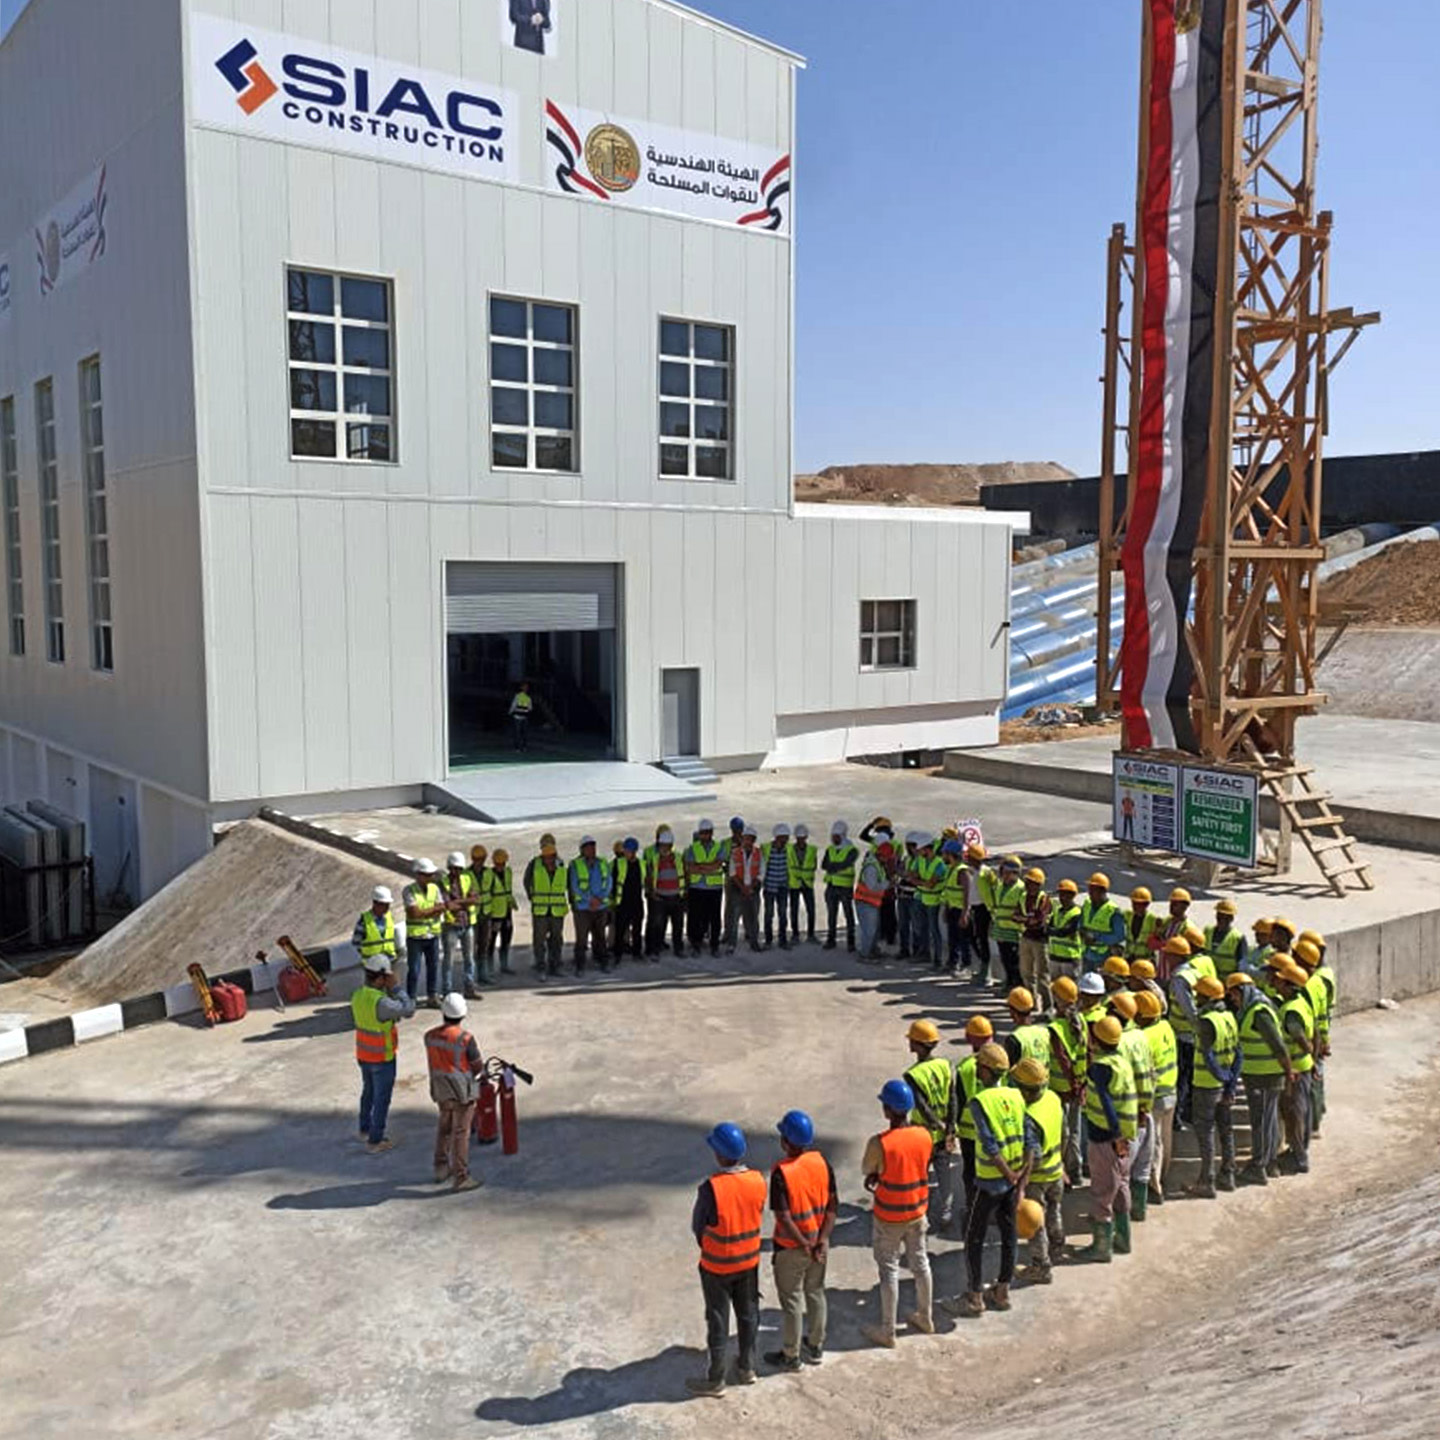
(48, 472)
(10, 499)
(690, 442)
(341, 418)
(531, 431)
(97, 517)
(871, 634)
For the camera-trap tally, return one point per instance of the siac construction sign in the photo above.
(1193, 810)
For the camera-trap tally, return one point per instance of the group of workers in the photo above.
(1098, 1070)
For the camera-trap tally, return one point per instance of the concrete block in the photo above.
(1355, 956)
(12, 1045)
(181, 1000)
(92, 1024)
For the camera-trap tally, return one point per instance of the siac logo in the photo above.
(247, 77)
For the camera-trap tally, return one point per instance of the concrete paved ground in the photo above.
(194, 1244)
(1387, 673)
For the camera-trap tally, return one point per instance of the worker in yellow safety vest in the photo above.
(1224, 943)
(1069, 1062)
(497, 897)
(1102, 923)
(1066, 944)
(376, 1007)
(1218, 1065)
(1046, 1185)
(803, 859)
(547, 884)
(1310, 955)
(1164, 1058)
(1142, 926)
(932, 1079)
(1111, 1119)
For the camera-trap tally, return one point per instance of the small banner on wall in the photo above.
(651, 167)
(1179, 245)
(6, 279)
(71, 238)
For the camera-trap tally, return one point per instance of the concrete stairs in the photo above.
(688, 768)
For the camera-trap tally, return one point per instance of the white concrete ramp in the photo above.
(506, 794)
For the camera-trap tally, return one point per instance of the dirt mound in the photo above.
(1399, 586)
(257, 884)
(918, 484)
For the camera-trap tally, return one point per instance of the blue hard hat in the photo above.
(631, 844)
(736, 822)
(727, 1141)
(952, 847)
(897, 1096)
(797, 1127)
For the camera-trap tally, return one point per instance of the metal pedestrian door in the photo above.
(680, 712)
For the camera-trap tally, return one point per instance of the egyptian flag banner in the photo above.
(1179, 243)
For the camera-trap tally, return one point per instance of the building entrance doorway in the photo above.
(680, 713)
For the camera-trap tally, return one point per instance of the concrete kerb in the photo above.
(171, 1003)
(387, 859)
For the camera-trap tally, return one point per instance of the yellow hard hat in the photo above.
(1029, 1217)
(1177, 945)
(1116, 965)
(1307, 953)
(1123, 1003)
(950, 833)
(1020, 999)
(1226, 907)
(501, 857)
(1314, 937)
(925, 1031)
(1099, 878)
(1141, 970)
(1262, 926)
(993, 1057)
(1032, 1072)
(1276, 961)
(1236, 979)
(477, 852)
(1035, 875)
(1107, 1030)
(1010, 862)
(1147, 1003)
(1209, 988)
(1180, 893)
(1065, 990)
(1281, 923)
(1294, 975)
(1195, 935)
(975, 852)
(1140, 896)
(977, 1027)
(1068, 887)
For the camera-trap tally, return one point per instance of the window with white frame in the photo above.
(887, 634)
(533, 386)
(342, 367)
(50, 521)
(10, 495)
(697, 371)
(97, 519)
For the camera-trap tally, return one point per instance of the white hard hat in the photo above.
(381, 894)
(915, 837)
(840, 828)
(424, 867)
(665, 837)
(1092, 984)
(376, 964)
(456, 860)
(802, 832)
(453, 1006)
(705, 825)
(587, 840)
(782, 832)
(883, 837)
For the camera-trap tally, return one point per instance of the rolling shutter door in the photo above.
(484, 597)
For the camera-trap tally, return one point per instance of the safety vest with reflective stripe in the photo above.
(468, 887)
(1319, 996)
(423, 896)
(1069, 1038)
(902, 1191)
(967, 1084)
(1034, 1041)
(933, 873)
(1257, 1058)
(959, 888)
(1096, 923)
(522, 703)
(800, 869)
(1137, 937)
(1005, 1110)
(549, 891)
(1302, 1060)
(1049, 1117)
(579, 872)
(1136, 1049)
(497, 892)
(698, 853)
(621, 870)
(1327, 976)
(732, 1244)
(1122, 1096)
(1005, 912)
(1190, 972)
(1165, 1055)
(1227, 1042)
(837, 855)
(447, 1050)
(379, 934)
(1066, 949)
(872, 884)
(807, 1184)
(933, 1081)
(1225, 951)
(374, 1037)
(986, 882)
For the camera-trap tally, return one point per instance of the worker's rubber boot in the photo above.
(1226, 1180)
(1122, 1232)
(1139, 1199)
(1156, 1192)
(1102, 1240)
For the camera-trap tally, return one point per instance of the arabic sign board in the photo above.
(1146, 796)
(1220, 815)
(6, 277)
(652, 167)
(71, 238)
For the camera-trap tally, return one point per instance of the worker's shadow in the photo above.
(359, 1196)
(655, 1380)
(327, 1020)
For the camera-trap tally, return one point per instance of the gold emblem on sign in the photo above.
(613, 157)
(1187, 15)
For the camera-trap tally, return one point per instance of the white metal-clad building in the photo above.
(357, 361)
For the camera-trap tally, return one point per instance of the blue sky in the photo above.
(957, 178)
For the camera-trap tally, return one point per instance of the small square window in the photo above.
(509, 406)
(368, 442)
(552, 324)
(508, 362)
(675, 421)
(712, 343)
(312, 294)
(674, 379)
(674, 459)
(309, 341)
(552, 410)
(552, 367)
(367, 349)
(554, 452)
(367, 395)
(364, 299)
(887, 634)
(507, 317)
(674, 338)
(312, 390)
(313, 437)
(508, 452)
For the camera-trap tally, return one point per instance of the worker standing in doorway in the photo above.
(726, 1222)
(521, 708)
(547, 886)
(897, 1166)
(932, 1081)
(590, 886)
(454, 1061)
(705, 885)
(804, 1202)
(803, 859)
(424, 909)
(841, 858)
(462, 907)
(665, 896)
(376, 1006)
(498, 893)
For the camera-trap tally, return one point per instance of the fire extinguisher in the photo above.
(509, 1121)
(498, 1085)
(487, 1131)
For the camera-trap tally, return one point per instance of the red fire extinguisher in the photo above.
(509, 1121)
(497, 1093)
(487, 1130)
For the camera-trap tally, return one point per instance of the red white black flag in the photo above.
(1179, 244)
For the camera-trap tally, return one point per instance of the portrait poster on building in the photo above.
(532, 25)
(653, 167)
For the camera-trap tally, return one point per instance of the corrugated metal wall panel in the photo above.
(483, 598)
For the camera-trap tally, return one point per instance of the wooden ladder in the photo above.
(1307, 809)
